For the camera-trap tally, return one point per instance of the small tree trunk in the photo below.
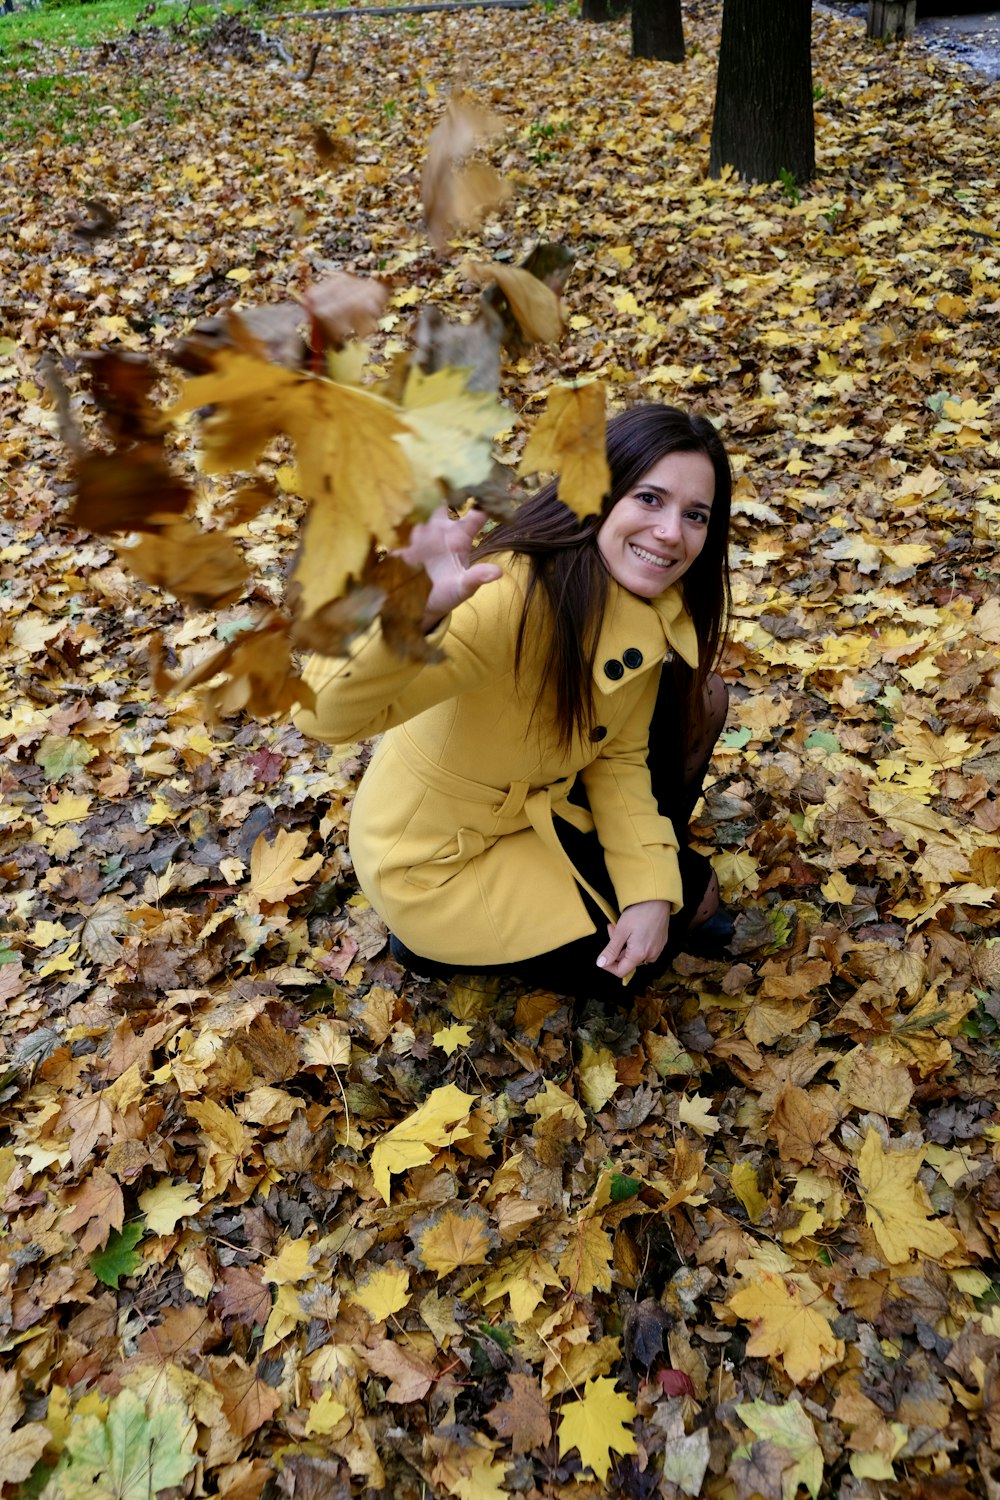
(603, 10)
(658, 30)
(891, 18)
(763, 122)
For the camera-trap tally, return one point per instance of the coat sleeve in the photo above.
(374, 688)
(640, 846)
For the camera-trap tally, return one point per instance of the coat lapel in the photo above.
(636, 635)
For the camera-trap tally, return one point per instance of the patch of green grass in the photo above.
(76, 25)
(46, 86)
(65, 107)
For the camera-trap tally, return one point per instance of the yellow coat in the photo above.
(451, 832)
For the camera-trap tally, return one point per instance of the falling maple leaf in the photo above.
(536, 310)
(568, 439)
(454, 194)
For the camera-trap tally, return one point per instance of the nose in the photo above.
(668, 523)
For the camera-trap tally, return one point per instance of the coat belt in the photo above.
(538, 806)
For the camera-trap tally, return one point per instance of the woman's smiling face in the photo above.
(657, 529)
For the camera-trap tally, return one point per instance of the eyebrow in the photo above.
(658, 489)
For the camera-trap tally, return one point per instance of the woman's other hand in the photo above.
(442, 546)
(638, 937)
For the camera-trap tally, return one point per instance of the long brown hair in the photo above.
(567, 566)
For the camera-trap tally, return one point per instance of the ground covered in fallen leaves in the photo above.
(280, 1220)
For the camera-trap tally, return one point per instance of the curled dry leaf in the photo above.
(103, 220)
(448, 194)
(569, 439)
(345, 306)
(203, 567)
(471, 347)
(130, 491)
(331, 628)
(332, 150)
(405, 590)
(534, 304)
(276, 331)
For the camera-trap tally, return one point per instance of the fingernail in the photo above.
(602, 962)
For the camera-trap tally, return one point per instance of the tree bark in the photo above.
(763, 122)
(891, 18)
(658, 30)
(603, 10)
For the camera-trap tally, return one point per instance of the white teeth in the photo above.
(658, 562)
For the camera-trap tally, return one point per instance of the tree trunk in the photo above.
(891, 18)
(603, 10)
(658, 30)
(763, 123)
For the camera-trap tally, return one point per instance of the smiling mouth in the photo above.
(650, 557)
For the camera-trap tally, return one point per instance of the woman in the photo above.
(523, 807)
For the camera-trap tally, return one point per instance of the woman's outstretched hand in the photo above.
(638, 937)
(442, 546)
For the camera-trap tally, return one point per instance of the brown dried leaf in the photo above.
(525, 1417)
(465, 124)
(534, 304)
(205, 568)
(345, 306)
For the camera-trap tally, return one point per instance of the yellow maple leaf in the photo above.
(569, 439)
(166, 1203)
(285, 1315)
(230, 1142)
(455, 1237)
(450, 1038)
(278, 870)
(469, 1471)
(69, 807)
(597, 1425)
(438, 1122)
(523, 1280)
(598, 1076)
(327, 1044)
(324, 1415)
(838, 889)
(553, 1101)
(695, 1110)
(383, 1293)
(586, 1262)
(351, 469)
(290, 1265)
(744, 1183)
(786, 1328)
(897, 1206)
(450, 434)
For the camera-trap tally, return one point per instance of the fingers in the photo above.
(613, 958)
(478, 574)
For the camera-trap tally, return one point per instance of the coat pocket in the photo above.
(433, 873)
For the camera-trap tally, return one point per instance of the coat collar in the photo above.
(647, 627)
